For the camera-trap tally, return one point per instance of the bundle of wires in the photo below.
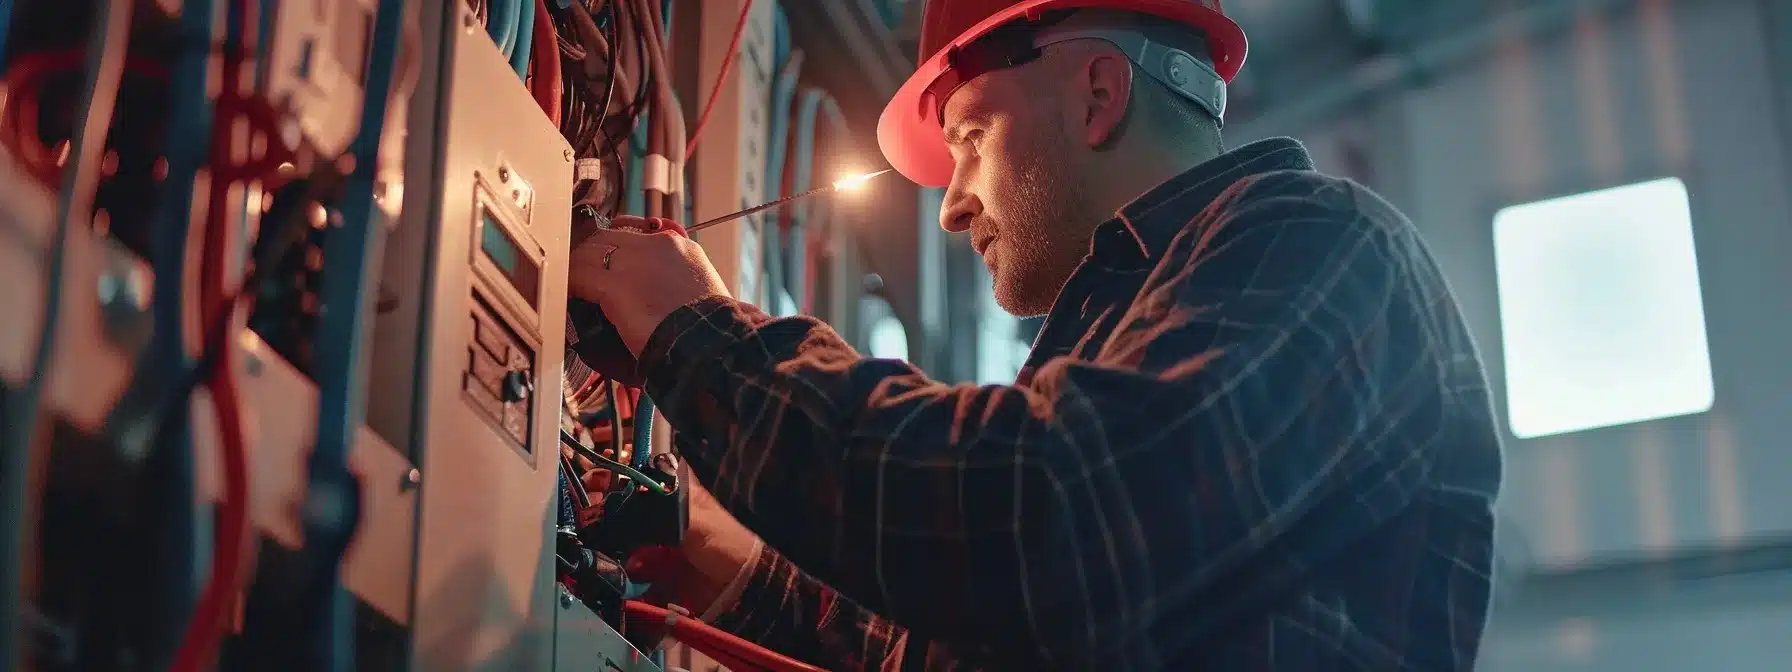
(107, 44)
(161, 424)
(615, 73)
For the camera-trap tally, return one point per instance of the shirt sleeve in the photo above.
(1239, 421)
(790, 612)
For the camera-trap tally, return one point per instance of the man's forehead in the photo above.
(974, 102)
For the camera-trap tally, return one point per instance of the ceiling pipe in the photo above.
(1413, 65)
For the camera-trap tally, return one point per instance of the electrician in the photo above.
(1253, 433)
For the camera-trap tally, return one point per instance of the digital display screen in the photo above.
(504, 252)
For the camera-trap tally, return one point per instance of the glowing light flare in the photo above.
(855, 182)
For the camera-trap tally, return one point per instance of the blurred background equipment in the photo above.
(288, 377)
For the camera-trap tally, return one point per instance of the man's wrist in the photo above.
(689, 342)
(731, 591)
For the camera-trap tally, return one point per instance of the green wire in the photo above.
(649, 482)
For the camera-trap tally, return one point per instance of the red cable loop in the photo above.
(19, 118)
(725, 648)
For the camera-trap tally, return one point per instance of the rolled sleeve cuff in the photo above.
(755, 612)
(731, 593)
(691, 340)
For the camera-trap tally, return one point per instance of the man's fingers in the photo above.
(630, 224)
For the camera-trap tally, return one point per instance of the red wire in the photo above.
(725, 648)
(199, 644)
(545, 83)
(23, 79)
(740, 27)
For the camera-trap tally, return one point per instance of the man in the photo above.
(1253, 433)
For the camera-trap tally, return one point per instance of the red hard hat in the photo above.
(909, 130)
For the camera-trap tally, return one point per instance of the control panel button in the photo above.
(490, 372)
(490, 337)
(516, 386)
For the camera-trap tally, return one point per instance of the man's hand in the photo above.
(716, 549)
(640, 278)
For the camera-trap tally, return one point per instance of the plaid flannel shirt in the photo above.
(1253, 434)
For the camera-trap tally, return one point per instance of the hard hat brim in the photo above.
(915, 145)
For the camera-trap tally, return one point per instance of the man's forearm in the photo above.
(787, 611)
(783, 609)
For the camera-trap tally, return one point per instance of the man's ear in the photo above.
(1106, 80)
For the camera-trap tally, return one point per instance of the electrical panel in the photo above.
(477, 268)
(306, 306)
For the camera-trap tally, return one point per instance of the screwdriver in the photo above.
(596, 341)
(846, 184)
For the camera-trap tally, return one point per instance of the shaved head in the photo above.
(1046, 151)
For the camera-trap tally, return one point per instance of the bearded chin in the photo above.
(1044, 238)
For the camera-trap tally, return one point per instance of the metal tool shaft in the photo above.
(848, 183)
(724, 219)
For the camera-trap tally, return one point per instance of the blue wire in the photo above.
(777, 150)
(5, 28)
(501, 24)
(780, 36)
(642, 457)
(333, 506)
(568, 515)
(816, 103)
(666, 7)
(525, 37)
(166, 431)
(635, 200)
(264, 27)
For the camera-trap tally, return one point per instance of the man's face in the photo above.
(1015, 186)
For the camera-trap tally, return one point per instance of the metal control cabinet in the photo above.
(477, 275)
(582, 641)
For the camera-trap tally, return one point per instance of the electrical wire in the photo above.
(815, 107)
(740, 28)
(731, 651)
(525, 38)
(641, 455)
(777, 164)
(6, 10)
(652, 484)
(502, 25)
(674, 121)
(615, 71)
(547, 85)
(631, 30)
(107, 43)
(332, 506)
(615, 410)
(24, 79)
(198, 647)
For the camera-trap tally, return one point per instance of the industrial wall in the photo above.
(1657, 545)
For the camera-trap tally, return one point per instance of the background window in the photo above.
(888, 339)
(1600, 313)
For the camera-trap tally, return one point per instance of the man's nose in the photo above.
(958, 210)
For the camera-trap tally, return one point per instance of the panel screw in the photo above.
(565, 599)
(503, 173)
(566, 153)
(412, 478)
(469, 22)
(124, 308)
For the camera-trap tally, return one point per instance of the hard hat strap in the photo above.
(1175, 56)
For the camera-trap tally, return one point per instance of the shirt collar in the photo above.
(1143, 229)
